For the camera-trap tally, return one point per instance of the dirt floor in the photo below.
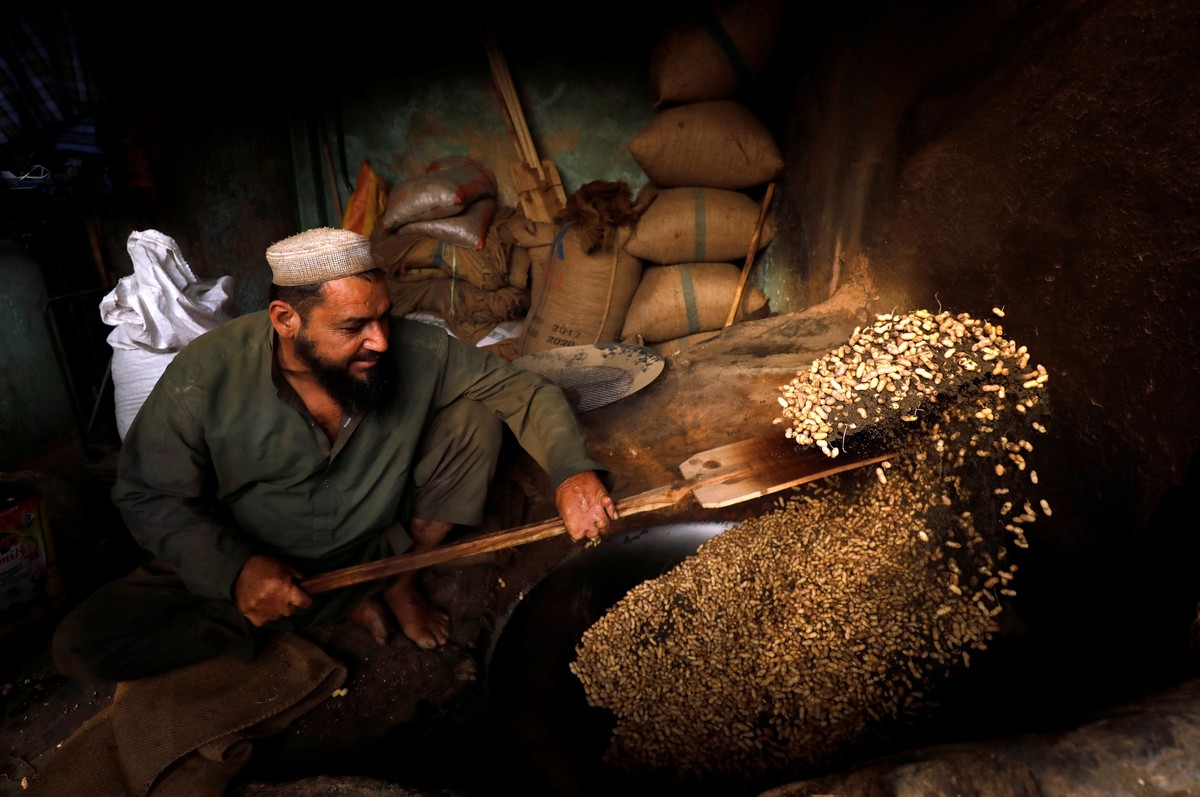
(417, 723)
(409, 722)
(413, 722)
(406, 715)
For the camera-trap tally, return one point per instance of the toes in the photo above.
(429, 629)
(435, 633)
(426, 625)
(441, 629)
(371, 616)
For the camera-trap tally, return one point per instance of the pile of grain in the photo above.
(795, 636)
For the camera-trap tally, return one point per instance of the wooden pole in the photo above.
(537, 182)
(512, 105)
(754, 239)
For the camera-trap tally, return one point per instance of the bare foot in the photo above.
(371, 615)
(422, 622)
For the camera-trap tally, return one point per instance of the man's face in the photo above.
(342, 341)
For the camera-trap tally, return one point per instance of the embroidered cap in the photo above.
(319, 255)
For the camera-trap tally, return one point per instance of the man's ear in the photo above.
(285, 319)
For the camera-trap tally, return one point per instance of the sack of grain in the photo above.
(686, 298)
(581, 297)
(691, 225)
(588, 280)
(530, 247)
(398, 253)
(714, 53)
(468, 229)
(518, 268)
(514, 227)
(539, 260)
(367, 204)
(714, 144)
(446, 188)
(469, 313)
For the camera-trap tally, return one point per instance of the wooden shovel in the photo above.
(714, 478)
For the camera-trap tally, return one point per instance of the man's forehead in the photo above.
(352, 297)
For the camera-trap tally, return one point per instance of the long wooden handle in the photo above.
(758, 228)
(658, 498)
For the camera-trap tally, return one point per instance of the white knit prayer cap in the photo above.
(319, 255)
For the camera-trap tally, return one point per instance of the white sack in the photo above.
(135, 372)
(154, 313)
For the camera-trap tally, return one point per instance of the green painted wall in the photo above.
(582, 117)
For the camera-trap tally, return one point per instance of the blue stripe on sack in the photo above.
(689, 298)
(707, 18)
(557, 247)
(701, 231)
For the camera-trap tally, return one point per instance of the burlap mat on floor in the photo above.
(189, 732)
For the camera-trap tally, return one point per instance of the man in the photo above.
(314, 435)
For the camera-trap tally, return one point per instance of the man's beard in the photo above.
(371, 392)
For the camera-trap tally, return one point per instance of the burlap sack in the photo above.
(581, 298)
(694, 225)
(192, 730)
(539, 259)
(531, 247)
(714, 144)
(686, 298)
(715, 52)
(518, 268)
(514, 227)
(399, 253)
(469, 313)
(368, 202)
(418, 275)
(446, 188)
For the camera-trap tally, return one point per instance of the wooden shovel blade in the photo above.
(769, 463)
(717, 477)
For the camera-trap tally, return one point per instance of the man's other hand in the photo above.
(584, 505)
(266, 590)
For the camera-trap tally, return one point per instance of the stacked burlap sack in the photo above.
(660, 267)
(450, 250)
(703, 152)
(584, 277)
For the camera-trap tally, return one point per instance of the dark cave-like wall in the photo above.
(1041, 158)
